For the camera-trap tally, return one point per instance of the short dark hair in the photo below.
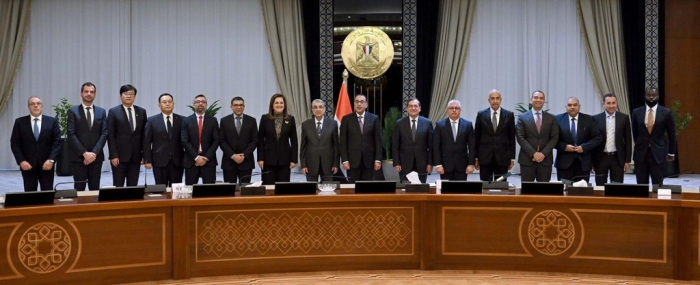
(360, 94)
(127, 87)
(609, 95)
(87, 84)
(237, 98)
(200, 95)
(537, 91)
(165, 94)
(271, 111)
(413, 99)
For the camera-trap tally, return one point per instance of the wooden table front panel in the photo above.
(306, 237)
(625, 240)
(99, 247)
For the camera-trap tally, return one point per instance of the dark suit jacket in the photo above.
(500, 143)
(405, 149)
(278, 152)
(232, 143)
(587, 136)
(656, 141)
(356, 145)
(125, 142)
(190, 139)
(454, 155)
(81, 139)
(316, 151)
(623, 137)
(36, 152)
(158, 146)
(530, 141)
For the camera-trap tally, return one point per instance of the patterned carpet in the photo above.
(420, 278)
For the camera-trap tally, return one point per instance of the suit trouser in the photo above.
(458, 175)
(276, 173)
(90, 172)
(320, 173)
(37, 176)
(648, 166)
(421, 173)
(234, 175)
(169, 174)
(207, 172)
(612, 164)
(361, 173)
(128, 171)
(491, 170)
(574, 172)
(536, 171)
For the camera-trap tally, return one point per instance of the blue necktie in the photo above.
(36, 129)
(573, 130)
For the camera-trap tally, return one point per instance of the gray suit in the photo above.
(531, 141)
(319, 155)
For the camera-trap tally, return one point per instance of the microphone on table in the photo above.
(69, 182)
(251, 175)
(570, 182)
(346, 178)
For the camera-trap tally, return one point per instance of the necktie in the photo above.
(36, 128)
(318, 129)
(413, 129)
(362, 127)
(454, 130)
(131, 120)
(89, 118)
(200, 133)
(650, 120)
(610, 134)
(170, 127)
(573, 130)
(538, 122)
(494, 121)
(238, 125)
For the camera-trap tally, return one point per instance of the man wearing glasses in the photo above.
(453, 145)
(411, 142)
(125, 124)
(200, 138)
(238, 138)
(361, 142)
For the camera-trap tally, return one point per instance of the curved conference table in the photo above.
(85, 241)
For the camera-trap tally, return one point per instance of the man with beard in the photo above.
(200, 138)
(651, 125)
(87, 135)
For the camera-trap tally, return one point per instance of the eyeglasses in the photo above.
(199, 101)
(454, 108)
(360, 101)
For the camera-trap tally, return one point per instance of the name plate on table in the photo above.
(418, 188)
(579, 191)
(253, 191)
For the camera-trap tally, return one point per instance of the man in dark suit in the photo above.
(238, 139)
(537, 133)
(125, 124)
(453, 145)
(200, 138)
(87, 135)
(495, 139)
(411, 143)
(651, 124)
(320, 145)
(162, 144)
(578, 137)
(35, 143)
(614, 153)
(361, 142)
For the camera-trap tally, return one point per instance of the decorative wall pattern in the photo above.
(326, 54)
(410, 29)
(651, 43)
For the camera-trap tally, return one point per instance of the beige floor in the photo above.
(421, 277)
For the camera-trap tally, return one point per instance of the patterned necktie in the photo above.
(170, 127)
(36, 129)
(200, 133)
(610, 134)
(650, 121)
(538, 122)
(494, 121)
(318, 129)
(413, 129)
(454, 130)
(238, 125)
(362, 127)
(573, 130)
(131, 120)
(89, 118)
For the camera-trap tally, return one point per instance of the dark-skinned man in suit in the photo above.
(654, 133)
(200, 139)
(238, 138)
(35, 143)
(411, 143)
(537, 132)
(162, 144)
(614, 153)
(361, 142)
(494, 129)
(578, 137)
(87, 135)
(320, 145)
(454, 144)
(125, 124)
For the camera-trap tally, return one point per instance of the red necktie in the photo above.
(200, 133)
